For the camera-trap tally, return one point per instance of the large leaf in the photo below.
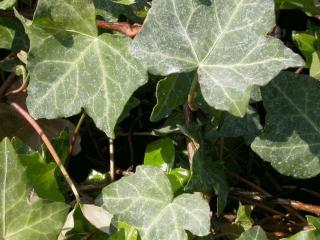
(24, 216)
(71, 67)
(5, 4)
(291, 138)
(224, 40)
(145, 201)
(255, 233)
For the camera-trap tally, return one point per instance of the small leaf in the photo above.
(160, 153)
(306, 44)
(145, 201)
(178, 178)
(22, 218)
(223, 40)
(255, 233)
(315, 66)
(125, 232)
(291, 138)
(172, 92)
(244, 216)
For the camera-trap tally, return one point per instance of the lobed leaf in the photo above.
(86, 70)
(224, 40)
(22, 215)
(145, 201)
(291, 138)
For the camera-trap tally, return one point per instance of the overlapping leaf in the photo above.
(224, 40)
(291, 138)
(145, 201)
(71, 67)
(23, 216)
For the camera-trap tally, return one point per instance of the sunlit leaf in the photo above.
(145, 201)
(224, 40)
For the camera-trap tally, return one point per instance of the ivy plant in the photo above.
(155, 120)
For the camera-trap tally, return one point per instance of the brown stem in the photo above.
(112, 160)
(76, 132)
(123, 27)
(9, 81)
(48, 144)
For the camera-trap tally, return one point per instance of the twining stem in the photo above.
(4, 87)
(76, 132)
(193, 93)
(112, 160)
(48, 144)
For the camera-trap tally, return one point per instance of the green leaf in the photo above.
(145, 201)
(255, 233)
(249, 126)
(315, 66)
(307, 45)
(86, 70)
(178, 178)
(124, 2)
(308, 6)
(160, 153)
(225, 41)
(6, 4)
(172, 92)
(291, 138)
(24, 216)
(125, 232)
(207, 174)
(315, 221)
(244, 216)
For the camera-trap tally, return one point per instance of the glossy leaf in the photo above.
(315, 66)
(244, 216)
(125, 232)
(86, 70)
(308, 6)
(160, 153)
(255, 233)
(23, 215)
(307, 45)
(178, 178)
(145, 201)
(291, 138)
(225, 41)
(172, 92)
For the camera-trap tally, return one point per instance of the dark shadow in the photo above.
(206, 2)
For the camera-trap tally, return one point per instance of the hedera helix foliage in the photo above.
(215, 57)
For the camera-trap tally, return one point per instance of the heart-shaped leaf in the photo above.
(291, 138)
(224, 40)
(145, 201)
(86, 70)
(255, 233)
(22, 215)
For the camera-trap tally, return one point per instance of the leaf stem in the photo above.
(112, 160)
(48, 144)
(9, 81)
(193, 93)
(76, 132)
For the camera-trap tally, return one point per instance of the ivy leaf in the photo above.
(125, 232)
(308, 6)
(6, 4)
(207, 174)
(86, 70)
(255, 233)
(172, 92)
(223, 40)
(145, 201)
(248, 126)
(291, 138)
(307, 45)
(160, 153)
(24, 216)
(315, 66)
